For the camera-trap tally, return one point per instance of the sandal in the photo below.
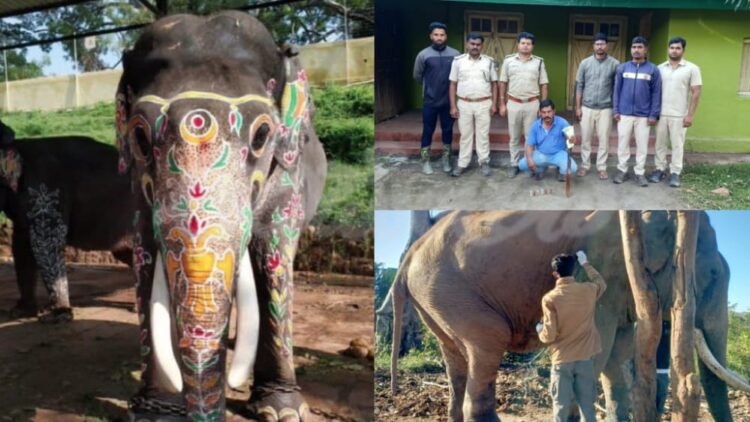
(603, 175)
(582, 172)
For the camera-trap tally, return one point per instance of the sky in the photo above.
(392, 232)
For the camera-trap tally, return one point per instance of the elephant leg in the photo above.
(714, 388)
(26, 274)
(456, 366)
(617, 376)
(275, 393)
(479, 403)
(150, 403)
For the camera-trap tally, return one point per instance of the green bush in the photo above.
(343, 102)
(348, 194)
(738, 347)
(347, 140)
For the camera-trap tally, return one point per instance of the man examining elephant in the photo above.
(568, 329)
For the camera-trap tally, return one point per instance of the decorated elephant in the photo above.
(214, 128)
(497, 264)
(61, 191)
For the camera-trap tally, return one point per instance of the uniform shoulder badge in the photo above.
(537, 57)
(460, 56)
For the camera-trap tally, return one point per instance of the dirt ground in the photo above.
(522, 396)
(87, 369)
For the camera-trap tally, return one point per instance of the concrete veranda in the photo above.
(400, 184)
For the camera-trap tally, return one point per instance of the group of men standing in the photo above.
(637, 94)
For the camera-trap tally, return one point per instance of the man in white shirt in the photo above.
(473, 100)
(680, 79)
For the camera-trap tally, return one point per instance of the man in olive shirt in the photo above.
(594, 82)
(569, 331)
(523, 78)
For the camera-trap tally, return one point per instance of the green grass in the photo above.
(699, 180)
(717, 145)
(96, 121)
(348, 195)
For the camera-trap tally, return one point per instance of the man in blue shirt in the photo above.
(636, 106)
(432, 67)
(546, 144)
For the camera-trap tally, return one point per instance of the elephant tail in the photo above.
(399, 296)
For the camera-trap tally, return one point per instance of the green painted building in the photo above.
(717, 32)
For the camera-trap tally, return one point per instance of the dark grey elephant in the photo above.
(497, 265)
(214, 128)
(61, 191)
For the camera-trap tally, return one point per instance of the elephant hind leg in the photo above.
(26, 275)
(456, 366)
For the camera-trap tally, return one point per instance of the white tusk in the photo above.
(161, 331)
(248, 325)
(732, 379)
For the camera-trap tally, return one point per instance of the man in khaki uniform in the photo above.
(523, 78)
(473, 100)
(569, 330)
(679, 78)
(594, 83)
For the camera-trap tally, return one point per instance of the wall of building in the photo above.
(715, 44)
(343, 62)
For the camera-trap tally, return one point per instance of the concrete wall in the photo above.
(342, 62)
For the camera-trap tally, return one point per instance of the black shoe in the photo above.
(656, 177)
(485, 169)
(619, 177)
(641, 180)
(560, 176)
(674, 180)
(512, 171)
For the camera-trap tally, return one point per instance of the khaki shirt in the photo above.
(523, 77)
(569, 309)
(474, 76)
(675, 87)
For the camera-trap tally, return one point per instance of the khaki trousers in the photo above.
(669, 129)
(520, 118)
(474, 119)
(599, 122)
(573, 379)
(627, 127)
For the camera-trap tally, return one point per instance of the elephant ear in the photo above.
(123, 101)
(11, 166)
(296, 110)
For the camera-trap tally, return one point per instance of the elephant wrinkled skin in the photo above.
(477, 280)
(215, 128)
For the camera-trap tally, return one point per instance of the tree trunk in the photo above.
(648, 329)
(686, 389)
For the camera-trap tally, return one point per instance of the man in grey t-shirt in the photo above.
(594, 83)
(432, 67)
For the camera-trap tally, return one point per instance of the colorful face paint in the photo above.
(199, 127)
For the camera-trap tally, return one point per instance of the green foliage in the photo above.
(699, 180)
(20, 68)
(348, 195)
(428, 359)
(738, 346)
(96, 121)
(717, 145)
(344, 122)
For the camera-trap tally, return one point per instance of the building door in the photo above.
(581, 34)
(498, 29)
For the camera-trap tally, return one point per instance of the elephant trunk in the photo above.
(196, 286)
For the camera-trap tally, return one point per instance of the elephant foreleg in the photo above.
(479, 401)
(617, 377)
(26, 273)
(150, 403)
(275, 394)
(47, 234)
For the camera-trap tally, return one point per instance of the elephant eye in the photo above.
(260, 131)
(140, 138)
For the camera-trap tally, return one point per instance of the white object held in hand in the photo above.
(582, 259)
(569, 133)
(539, 327)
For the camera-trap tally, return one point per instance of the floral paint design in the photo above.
(10, 167)
(47, 235)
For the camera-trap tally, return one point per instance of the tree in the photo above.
(648, 328)
(20, 68)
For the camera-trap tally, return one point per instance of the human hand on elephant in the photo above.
(582, 259)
